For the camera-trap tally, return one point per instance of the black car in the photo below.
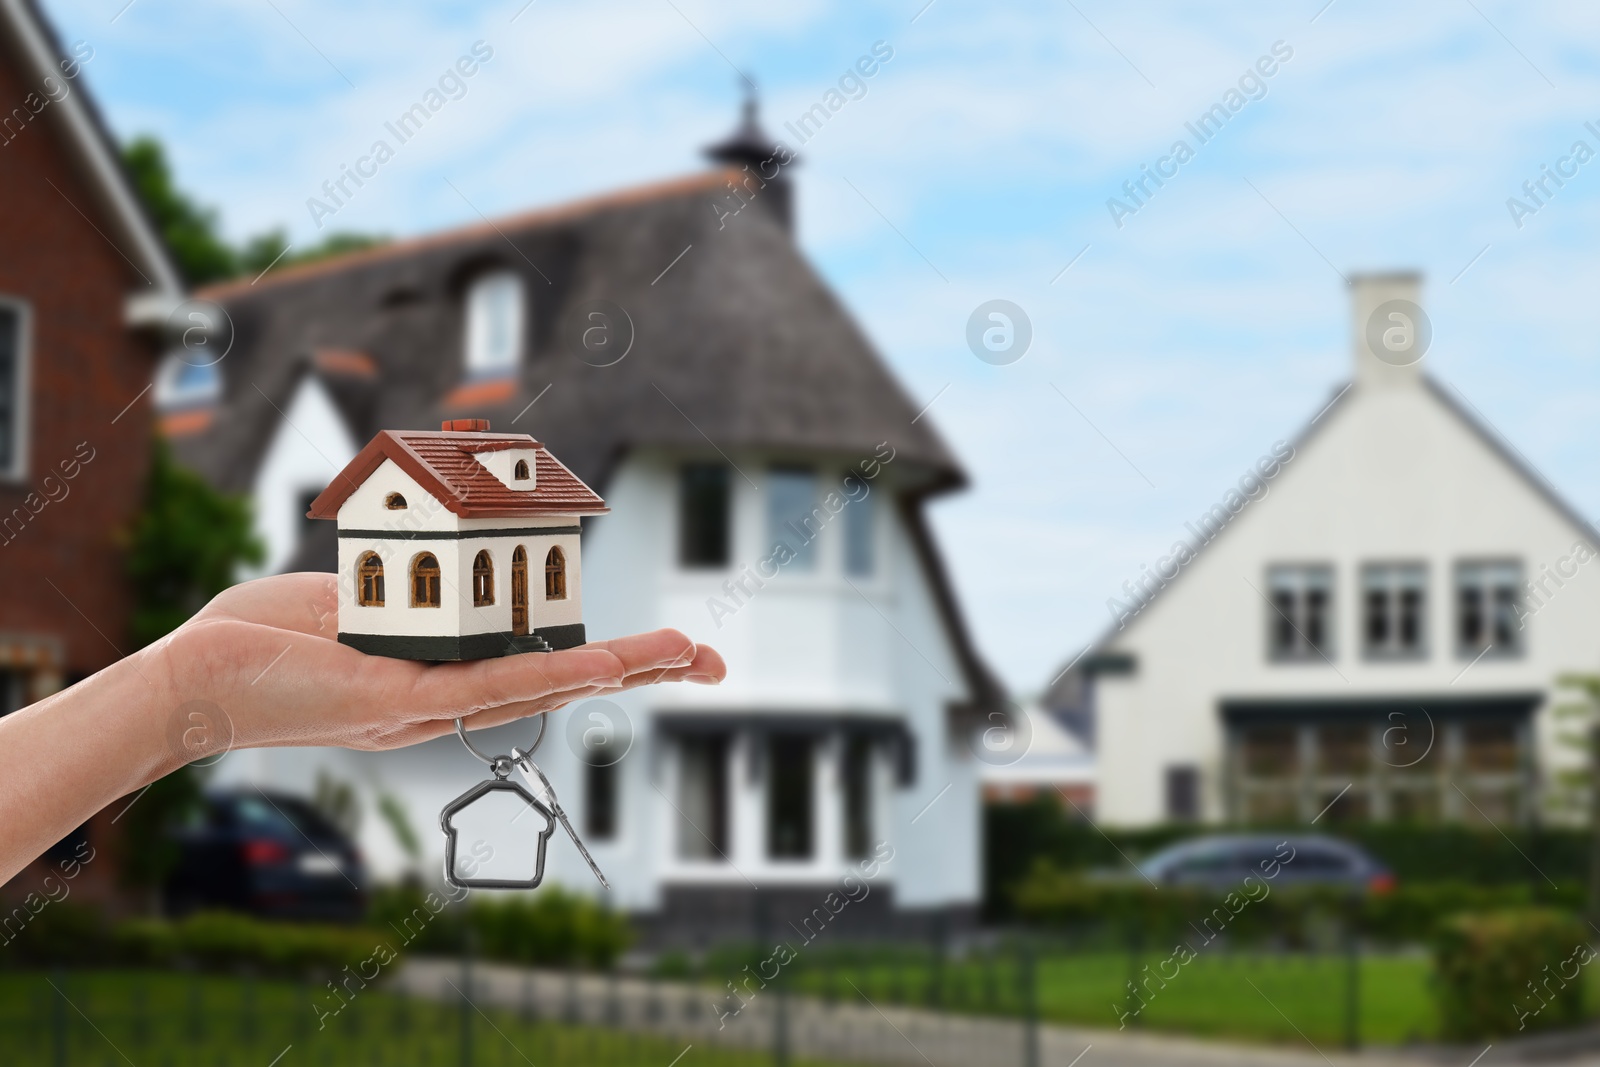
(1221, 861)
(268, 854)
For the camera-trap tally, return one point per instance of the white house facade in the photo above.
(1374, 635)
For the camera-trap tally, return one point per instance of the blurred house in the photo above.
(671, 344)
(1375, 635)
(85, 285)
(1049, 760)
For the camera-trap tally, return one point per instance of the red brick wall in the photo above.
(86, 367)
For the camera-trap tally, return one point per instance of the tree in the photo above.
(184, 547)
(189, 229)
(1579, 784)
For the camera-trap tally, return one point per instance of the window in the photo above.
(1300, 620)
(859, 531)
(1488, 609)
(703, 539)
(13, 386)
(1394, 609)
(307, 523)
(482, 580)
(180, 383)
(789, 789)
(600, 801)
(369, 581)
(555, 574)
(793, 518)
(425, 581)
(1183, 793)
(703, 797)
(13, 691)
(857, 780)
(394, 502)
(520, 471)
(494, 324)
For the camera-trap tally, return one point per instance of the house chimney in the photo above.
(1390, 333)
(758, 166)
(465, 425)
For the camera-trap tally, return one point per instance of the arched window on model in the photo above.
(555, 575)
(482, 580)
(394, 502)
(425, 581)
(369, 580)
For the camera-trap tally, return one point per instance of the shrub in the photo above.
(1502, 971)
(553, 927)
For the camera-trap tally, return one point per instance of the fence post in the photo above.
(1030, 1007)
(1352, 1003)
(940, 934)
(58, 1022)
(466, 997)
(780, 1023)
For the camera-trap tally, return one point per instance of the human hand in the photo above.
(266, 653)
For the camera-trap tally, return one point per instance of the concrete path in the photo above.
(860, 1032)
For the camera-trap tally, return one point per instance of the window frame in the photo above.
(1308, 653)
(556, 590)
(483, 581)
(685, 540)
(1519, 644)
(437, 576)
(1393, 653)
(169, 395)
(807, 561)
(476, 307)
(22, 422)
(362, 600)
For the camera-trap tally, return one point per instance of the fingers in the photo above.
(456, 690)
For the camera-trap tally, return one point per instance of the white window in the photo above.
(494, 324)
(1488, 609)
(794, 518)
(1394, 609)
(860, 529)
(180, 383)
(1300, 616)
(13, 388)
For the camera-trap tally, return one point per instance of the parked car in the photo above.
(1222, 861)
(269, 854)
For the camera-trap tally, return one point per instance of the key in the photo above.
(530, 770)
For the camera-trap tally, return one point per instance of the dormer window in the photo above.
(520, 471)
(494, 324)
(394, 502)
(180, 383)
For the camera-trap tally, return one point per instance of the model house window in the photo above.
(703, 797)
(369, 581)
(180, 383)
(520, 471)
(793, 518)
(789, 790)
(482, 580)
(394, 502)
(600, 802)
(859, 532)
(1394, 607)
(11, 388)
(555, 574)
(1488, 599)
(494, 324)
(1183, 793)
(703, 515)
(857, 782)
(425, 581)
(1300, 619)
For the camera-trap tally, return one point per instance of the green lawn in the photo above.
(163, 1019)
(1256, 996)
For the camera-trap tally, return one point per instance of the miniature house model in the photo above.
(458, 544)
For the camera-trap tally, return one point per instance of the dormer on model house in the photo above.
(458, 544)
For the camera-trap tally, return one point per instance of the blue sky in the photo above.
(1210, 324)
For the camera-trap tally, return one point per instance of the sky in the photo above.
(1174, 338)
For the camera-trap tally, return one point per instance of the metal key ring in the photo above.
(461, 732)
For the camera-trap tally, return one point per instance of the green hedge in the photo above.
(1018, 836)
(1509, 971)
(1295, 915)
(552, 927)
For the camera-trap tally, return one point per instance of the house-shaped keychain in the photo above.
(458, 544)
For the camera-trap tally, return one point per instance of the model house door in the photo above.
(519, 591)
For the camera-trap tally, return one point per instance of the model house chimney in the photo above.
(1390, 333)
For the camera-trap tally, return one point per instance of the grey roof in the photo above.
(737, 341)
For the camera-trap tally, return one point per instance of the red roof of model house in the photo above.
(444, 462)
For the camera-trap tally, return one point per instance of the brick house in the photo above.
(85, 284)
